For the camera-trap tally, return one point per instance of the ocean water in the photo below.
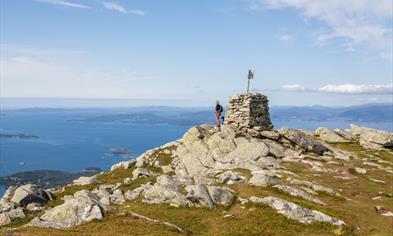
(73, 146)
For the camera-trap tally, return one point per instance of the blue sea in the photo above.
(72, 146)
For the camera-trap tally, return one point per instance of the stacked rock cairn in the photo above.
(248, 112)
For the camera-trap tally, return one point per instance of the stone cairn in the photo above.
(248, 112)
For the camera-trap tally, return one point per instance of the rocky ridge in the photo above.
(297, 174)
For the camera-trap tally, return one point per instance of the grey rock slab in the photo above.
(329, 135)
(159, 194)
(199, 194)
(296, 212)
(298, 193)
(80, 208)
(303, 140)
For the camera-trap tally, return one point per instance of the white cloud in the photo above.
(293, 88)
(285, 37)
(342, 88)
(114, 7)
(65, 3)
(119, 8)
(359, 22)
(357, 88)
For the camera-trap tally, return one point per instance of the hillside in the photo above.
(226, 182)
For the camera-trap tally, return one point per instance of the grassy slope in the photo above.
(252, 219)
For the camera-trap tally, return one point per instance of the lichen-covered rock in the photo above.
(158, 194)
(117, 197)
(262, 179)
(80, 208)
(303, 140)
(209, 196)
(296, 212)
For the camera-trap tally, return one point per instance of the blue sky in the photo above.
(304, 52)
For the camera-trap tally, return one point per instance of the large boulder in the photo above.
(29, 193)
(158, 194)
(329, 135)
(382, 138)
(296, 212)
(304, 141)
(209, 196)
(80, 208)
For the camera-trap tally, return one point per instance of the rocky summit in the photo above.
(244, 178)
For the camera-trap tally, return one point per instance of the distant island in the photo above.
(19, 136)
(45, 178)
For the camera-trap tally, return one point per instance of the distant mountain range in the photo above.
(192, 116)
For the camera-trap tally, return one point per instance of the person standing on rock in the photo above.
(219, 110)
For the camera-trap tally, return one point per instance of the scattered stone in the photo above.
(110, 186)
(377, 181)
(34, 207)
(313, 186)
(141, 172)
(381, 210)
(296, 212)
(229, 177)
(117, 197)
(127, 181)
(298, 193)
(359, 170)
